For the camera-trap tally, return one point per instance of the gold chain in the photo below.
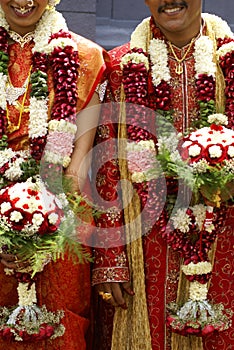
(11, 127)
(179, 68)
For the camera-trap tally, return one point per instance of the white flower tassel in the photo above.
(27, 294)
(197, 291)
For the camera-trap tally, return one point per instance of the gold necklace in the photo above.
(13, 92)
(179, 68)
(22, 40)
(11, 127)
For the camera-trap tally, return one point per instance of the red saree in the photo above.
(61, 285)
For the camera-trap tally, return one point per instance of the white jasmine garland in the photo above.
(199, 212)
(218, 118)
(56, 158)
(224, 49)
(197, 291)
(3, 94)
(138, 177)
(62, 125)
(135, 58)
(159, 58)
(220, 26)
(139, 37)
(38, 117)
(200, 268)
(142, 145)
(27, 294)
(181, 220)
(203, 54)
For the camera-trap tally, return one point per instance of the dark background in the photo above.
(110, 22)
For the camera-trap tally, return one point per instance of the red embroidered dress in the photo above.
(162, 265)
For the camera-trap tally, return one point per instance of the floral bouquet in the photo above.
(210, 154)
(194, 230)
(204, 160)
(37, 226)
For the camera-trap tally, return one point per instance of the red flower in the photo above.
(193, 331)
(208, 329)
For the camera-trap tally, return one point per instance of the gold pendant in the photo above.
(179, 69)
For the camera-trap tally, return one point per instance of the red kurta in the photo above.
(161, 264)
(61, 285)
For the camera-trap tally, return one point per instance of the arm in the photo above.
(87, 122)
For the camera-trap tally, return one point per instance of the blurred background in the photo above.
(110, 22)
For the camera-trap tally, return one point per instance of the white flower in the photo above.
(215, 151)
(198, 291)
(16, 216)
(139, 37)
(200, 268)
(194, 150)
(230, 151)
(199, 212)
(203, 54)
(159, 58)
(5, 206)
(138, 177)
(62, 125)
(219, 26)
(14, 172)
(218, 118)
(135, 57)
(37, 219)
(53, 218)
(181, 221)
(27, 294)
(38, 117)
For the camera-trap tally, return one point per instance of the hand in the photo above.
(12, 262)
(115, 292)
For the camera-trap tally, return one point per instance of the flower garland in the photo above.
(53, 47)
(25, 223)
(150, 64)
(193, 229)
(146, 82)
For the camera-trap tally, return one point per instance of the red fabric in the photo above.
(62, 285)
(162, 265)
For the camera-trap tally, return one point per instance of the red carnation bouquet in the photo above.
(37, 226)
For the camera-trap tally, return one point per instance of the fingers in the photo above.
(127, 288)
(118, 295)
(12, 262)
(113, 293)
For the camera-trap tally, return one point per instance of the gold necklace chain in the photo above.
(22, 40)
(179, 68)
(11, 126)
